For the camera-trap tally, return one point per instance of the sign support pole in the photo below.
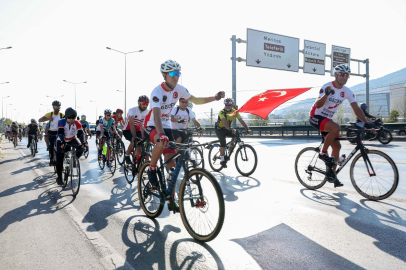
(367, 82)
(234, 70)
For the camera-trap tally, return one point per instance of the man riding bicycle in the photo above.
(134, 127)
(223, 127)
(32, 129)
(157, 125)
(54, 118)
(70, 133)
(331, 95)
(119, 120)
(14, 131)
(180, 118)
(107, 128)
(85, 125)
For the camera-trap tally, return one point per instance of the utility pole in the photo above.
(211, 118)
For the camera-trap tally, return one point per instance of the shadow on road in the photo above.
(38, 182)
(148, 248)
(368, 220)
(232, 185)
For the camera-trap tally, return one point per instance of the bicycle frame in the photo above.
(358, 147)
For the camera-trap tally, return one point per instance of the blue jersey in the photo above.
(85, 124)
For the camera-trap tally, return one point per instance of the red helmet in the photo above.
(119, 111)
(144, 99)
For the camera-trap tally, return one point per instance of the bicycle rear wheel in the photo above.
(214, 158)
(203, 212)
(310, 170)
(75, 175)
(197, 159)
(246, 160)
(150, 199)
(129, 170)
(377, 187)
(120, 152)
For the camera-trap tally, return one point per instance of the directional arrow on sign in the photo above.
(258, 61)
(314, 69)
(289, 65)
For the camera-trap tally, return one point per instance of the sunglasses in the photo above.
(184, 101)
(108, 115)
(144, 104)
(70, 117)
(174, 73)
(345, 75)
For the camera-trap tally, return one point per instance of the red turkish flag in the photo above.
(263, 104)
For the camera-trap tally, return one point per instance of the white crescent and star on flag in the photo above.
(281, 94)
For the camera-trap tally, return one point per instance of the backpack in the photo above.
(177, 110)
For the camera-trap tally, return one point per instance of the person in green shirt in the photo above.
(223, 126)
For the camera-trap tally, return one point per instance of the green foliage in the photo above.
(258, 121)
(393, 117)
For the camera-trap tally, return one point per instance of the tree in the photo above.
(393, 117)
(258, 121)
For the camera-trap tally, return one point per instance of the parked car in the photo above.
(401, 132)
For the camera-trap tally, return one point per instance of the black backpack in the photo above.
(177, 110)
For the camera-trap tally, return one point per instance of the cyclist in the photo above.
(331, 95)
(70, 133)
(54, 118)
(119, 120)
(107, 128)
(8, 131)
(223, 127)
(85, 125)
(180, 118)
(14, 131)
(157, 124)
(97, 127)
(32, 129)
(134, 126)
(20, 132)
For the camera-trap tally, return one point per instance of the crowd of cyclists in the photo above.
(158, 119)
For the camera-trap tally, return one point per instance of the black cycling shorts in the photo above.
(180, 133)
(318, 122)
(150, 133)
(98, 132)
(222, 134)
(128, 135)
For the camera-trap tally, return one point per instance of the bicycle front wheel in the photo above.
(246, 160)
(75, 175)
(197, 160)
(214, 158)
(203, 209)
(310, 170)
(111, 160)
(149, 197)
(120, 152)
(129, 170)
(32, 148)
(384, 179)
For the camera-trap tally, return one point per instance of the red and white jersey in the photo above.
(139, 118)
(69, 131)
(336, 97)
(119, 120)
(165, 99)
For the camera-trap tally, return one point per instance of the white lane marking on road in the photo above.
(110, 258)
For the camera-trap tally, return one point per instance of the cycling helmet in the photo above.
(363, 106)
(106, 111)
(56, 103)
(343, 68)
(119, 111)
(33, 120)
(70, 113)
(170, 65)
(144, 99)
(14, 123)
(83, 116)
(190, 105)
(229, 101)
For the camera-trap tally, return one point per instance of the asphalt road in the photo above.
(271, 221)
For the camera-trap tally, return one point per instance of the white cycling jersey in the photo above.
(165, 99)
(336, 97)
(138, 118)
(182, 115)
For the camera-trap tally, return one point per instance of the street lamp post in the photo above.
(96, 107)
(7, 108)
(124, 101)
(75, 88)
(6, 48)
(125, 75)
(12, 114)
(2, 105)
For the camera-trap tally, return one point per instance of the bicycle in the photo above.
(71, 167)
(246, 153)
(120, 150)
(15, 140)
(109, 157)
(196, 186)
(33, 145)
(131, 170)
(86, 152)
(367, 175)
(20, 136)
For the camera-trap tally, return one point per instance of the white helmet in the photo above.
(342, 68)
(170, 65)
